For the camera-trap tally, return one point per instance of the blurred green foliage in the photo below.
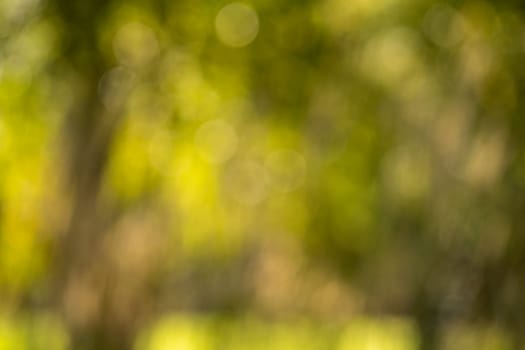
(337, 174)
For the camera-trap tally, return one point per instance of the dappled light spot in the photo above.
(27, 51)
(391, 57)
(114, 87)
(444, 25)
(194, 97)
(176, 333)
(13, 10)
(203, 225)
(379, 334)
(22, 258)
(450, 132)
(407, 172)
(483, 22)
(159, 150)
(246, 183)
(476, 63)
(276, 275)
(192, 179)
(486, 159)
(216, 141)
(39, 331)
(190, 332)
(286, 169)
(48, 332)
(135, 44)
(340, 16)
(134, 247)
(81, 301)
(129, 171)
(237, 24)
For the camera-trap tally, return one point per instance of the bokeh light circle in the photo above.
(286, 169)
(237, 24)
(135, 44)
(216, 141)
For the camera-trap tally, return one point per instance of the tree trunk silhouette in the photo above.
(82, 275)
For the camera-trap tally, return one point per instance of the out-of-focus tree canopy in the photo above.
(316, 174)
